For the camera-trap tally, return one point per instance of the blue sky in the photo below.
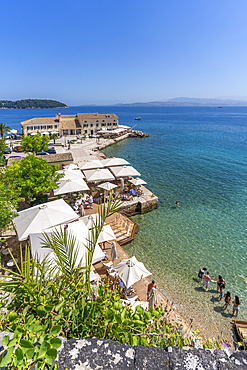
(111, 51)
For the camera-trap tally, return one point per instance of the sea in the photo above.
(196, 156)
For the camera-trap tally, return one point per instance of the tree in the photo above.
(8, 204)
(4, 129)
(54, 137)
(2, 147)
(34, 143)
(31, 177)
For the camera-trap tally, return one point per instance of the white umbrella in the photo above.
(131, 271)
(114, 162)
(13, 131)
(100, 174)
(81, 232)
(45, 133)
(43, 216)
(88, 165)
(123, 171)
(107, 186)
(70, 186)
(137, 181)
(71, 166)
(71, 174)
(55, 132)
(91, 220)
(34, 133)
(106, 234)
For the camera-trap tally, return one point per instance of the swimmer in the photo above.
(227, 300)
(202, 272)
(207, 279)
(236, 304)
(176, 204)
(220, 282)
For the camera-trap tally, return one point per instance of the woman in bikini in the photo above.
(220, 282)
(236, 304)
(227, 300)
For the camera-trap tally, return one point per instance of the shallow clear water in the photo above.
(198, 157)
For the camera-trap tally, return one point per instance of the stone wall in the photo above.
(140, 206)
(92, 354)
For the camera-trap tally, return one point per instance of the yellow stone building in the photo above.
(79, 124)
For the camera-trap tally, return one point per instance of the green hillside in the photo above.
(31, 104)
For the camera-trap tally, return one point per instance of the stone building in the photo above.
(79, 124)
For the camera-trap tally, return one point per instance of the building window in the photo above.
(103, 120)
(36, 127)
(85, 131)
(97, 125)
(109, 124)
(115, 124)
(29, 128)
(49, 126)
(85, 121)
(43, 127)
(103, 124)
(55, 126)
(85, 125)
(97, 120)
(114, 120)
(91, 124)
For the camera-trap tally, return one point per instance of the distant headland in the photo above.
(189, 102)
(31, 104)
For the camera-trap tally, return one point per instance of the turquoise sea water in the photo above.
(198, 157)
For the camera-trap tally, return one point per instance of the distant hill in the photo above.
(190, 102)
(31, 104)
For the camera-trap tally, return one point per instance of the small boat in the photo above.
(138, 118)
(241, 329)
(220, 107)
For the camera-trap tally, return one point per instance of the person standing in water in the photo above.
(220, 282)
(202, 272)
(207, 279)
(236, 304)
(227, 300)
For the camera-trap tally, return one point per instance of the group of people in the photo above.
(203, 274)
(83, 203)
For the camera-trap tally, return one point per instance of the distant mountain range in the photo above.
(190, 102)
(31, 104)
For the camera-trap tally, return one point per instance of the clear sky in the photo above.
(111, 51)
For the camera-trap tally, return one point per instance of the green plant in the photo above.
(34, 143)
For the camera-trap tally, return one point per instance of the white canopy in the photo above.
(45, 133)
(13, 131)
(71, 166)
(71, 174)
(123, 171)
(34, 133)
(131, 271)
(99, 174)
(70, 186)
(114, 162)
(106, 234)
(137, 181)
(107, 186)
(88, 165)
(90, 220)
(43, 216)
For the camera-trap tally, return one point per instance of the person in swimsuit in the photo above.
(222, 288)
(236, 304)
(207, 279)
(176, 204)
(202, 272)
(220, 282)
(227, 300)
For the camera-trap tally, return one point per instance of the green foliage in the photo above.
(54, 137)
(8, 203)
(2, 147)
(4, 129)
(35, 143)
(31, 103)
(30, 177)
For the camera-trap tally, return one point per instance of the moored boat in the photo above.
(138, 118)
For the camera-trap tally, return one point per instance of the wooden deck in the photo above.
(241, 329)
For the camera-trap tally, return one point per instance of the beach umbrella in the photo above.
(100, 174)
(131, 270)
(137, 181)
(89, 165)
(70, 186)
(71, 166)
(107, 186)
(34, 133)
(45, 133)
(13, 131)
(43, 216)
(91, 220)
(113, 251)
(55, 132)
(114, 162)
(106, 234)
(124, 171)
(71, 174)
